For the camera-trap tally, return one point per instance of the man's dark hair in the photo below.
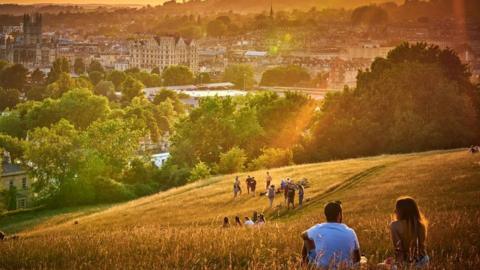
(332, 210)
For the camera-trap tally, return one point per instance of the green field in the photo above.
(181, 228)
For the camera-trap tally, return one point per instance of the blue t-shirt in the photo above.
(334, 245)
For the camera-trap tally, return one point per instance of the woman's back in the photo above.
(408, 240)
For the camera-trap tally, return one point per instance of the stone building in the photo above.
(163, 52)
(29, 48)
(15, 177)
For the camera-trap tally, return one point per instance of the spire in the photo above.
(271, 8)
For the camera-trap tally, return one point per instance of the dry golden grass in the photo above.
(181, 228)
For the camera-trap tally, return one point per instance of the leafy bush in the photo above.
(200, 171)
(273, 157)
(232, 161)
(108, 190)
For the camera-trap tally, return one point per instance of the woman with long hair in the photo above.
(409, 233)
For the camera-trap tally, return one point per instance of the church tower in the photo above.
(32, 29)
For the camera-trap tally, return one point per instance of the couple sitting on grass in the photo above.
(333, 245)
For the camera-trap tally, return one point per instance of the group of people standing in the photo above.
(287, 186)
(256, 220)
(333, 245)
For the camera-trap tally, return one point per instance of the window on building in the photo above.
(10, 183)
(21, 203)
(24, 183)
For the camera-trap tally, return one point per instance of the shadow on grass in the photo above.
(17, 221)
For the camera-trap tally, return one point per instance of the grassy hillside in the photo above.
(181, 228)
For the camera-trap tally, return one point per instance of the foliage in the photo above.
(13, 146)
(241, 75)
(272, 158)
(106, 89)
(203, 77)
(95, 66)
(148, 79)
(79, 66)
(284, 76)
(200, 171)
(14, 76)
(418, 98)
(37, 77)
(131, 88)
(371, 15)
(232, 161)
(117, 78)
(165, 94)
(59, 66)
(9, 97)
(95, 76)
(177, 75)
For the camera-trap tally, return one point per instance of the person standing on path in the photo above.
(269, 181)
(271, 194)
(301, 192)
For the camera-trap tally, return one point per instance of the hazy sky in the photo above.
(117, 2)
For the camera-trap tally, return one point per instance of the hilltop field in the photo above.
(181, 228)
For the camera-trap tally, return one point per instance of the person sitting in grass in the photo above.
(331, 245)
(226, 222)
(238, 222)
(261, 220)
(409, 234)
(249, 222)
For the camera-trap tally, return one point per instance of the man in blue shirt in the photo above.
(331, 245)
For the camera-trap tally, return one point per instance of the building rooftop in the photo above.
(10, 168)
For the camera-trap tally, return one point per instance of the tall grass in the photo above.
(181, 229)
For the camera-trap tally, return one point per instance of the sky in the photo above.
(97, 2)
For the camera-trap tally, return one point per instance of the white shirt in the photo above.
(249, 223)
(334, 245)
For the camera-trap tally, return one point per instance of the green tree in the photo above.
(37, 77)
(200, 171)
(63, 84)
(59, 66)
(171, 95)
(9, 98)
(14, 76)
(114, 142)
(241, 75)
(95, 66)
(117, 78)
(131, 88)
(232, 161)
(216, 28)
(418, 98)
(284, 76)
(272, 158)
(79, 66)
(81, 107)
(203, 77)
(156, 70)
(13, 146)
(51, 153)
(95, 76)
(177, 75)
(371, 15)
(105, 88)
